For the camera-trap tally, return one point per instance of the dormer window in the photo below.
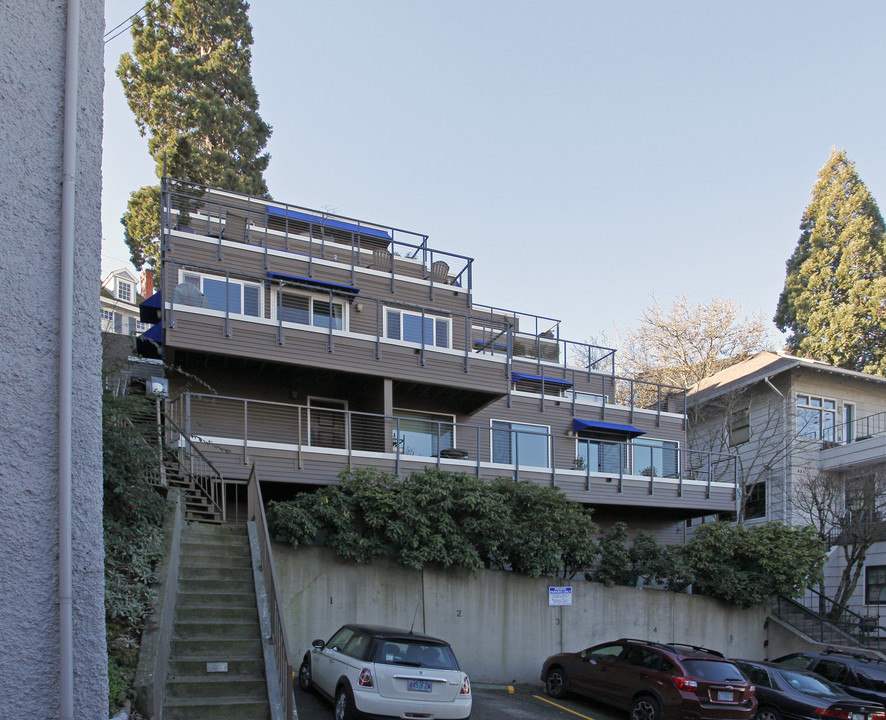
(124, 291)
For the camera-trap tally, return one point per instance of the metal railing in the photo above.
(270, 225)
(859, 429)
(279, 639)
(827, 621)
(192, 463)
(242, 422)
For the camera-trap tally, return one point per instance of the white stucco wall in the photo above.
(32, 78)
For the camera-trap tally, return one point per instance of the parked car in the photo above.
(786, 693)
(857, 674)
(654, 681)
(384, 672)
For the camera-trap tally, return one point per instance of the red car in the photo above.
(654, 681)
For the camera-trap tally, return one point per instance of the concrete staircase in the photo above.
(216, 626)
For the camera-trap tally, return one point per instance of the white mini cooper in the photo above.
(369, 671)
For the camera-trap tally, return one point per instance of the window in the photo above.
(755, 501)
(583, 397)
(107, 320)
(816, 418)
(422, 433)
(124, 291)
(603, 456)
(875, 585)
(739, 427)
(656, 458)
(415, 328)
(310, 310)
(516, 444)
(241, 298)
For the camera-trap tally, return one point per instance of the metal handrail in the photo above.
(291, 425)
(279, 639)
(852, 628)
(212, 484)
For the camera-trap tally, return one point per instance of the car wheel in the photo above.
(344, 704)
(768, 713)
(646, 707)
(304, 675)
(556, 684)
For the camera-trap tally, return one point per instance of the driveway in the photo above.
(521, 702)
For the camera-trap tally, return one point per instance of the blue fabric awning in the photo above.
(149, 311)
(329, 222)
(630, 430)
(348, 291)
(147, 344)
(539, 378)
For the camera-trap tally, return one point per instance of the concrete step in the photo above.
(210, 628)
(220, 570)
(219, 614)
(215, 586)
(196, 666)
(221, 708)
(218, 648)
(199, 598)
(195, 550)
(209, 687)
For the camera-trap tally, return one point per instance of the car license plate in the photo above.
(419, 685)
(724, 695)
(859, 716)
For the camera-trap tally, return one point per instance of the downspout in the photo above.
(66, 362)
(784, 444)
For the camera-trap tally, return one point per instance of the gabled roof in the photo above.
(757, 368)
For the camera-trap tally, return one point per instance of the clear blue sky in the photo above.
(586, 154)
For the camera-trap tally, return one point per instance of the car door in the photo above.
(328, 662)
(596, 666)
(638, 669)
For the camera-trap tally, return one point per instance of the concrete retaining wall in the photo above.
(500, 624)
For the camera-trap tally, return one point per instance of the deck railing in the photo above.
(859, 429)
(484, 450)
(315, 234)
(279, 639)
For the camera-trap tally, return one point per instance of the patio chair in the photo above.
(440, 272)
(382, 260)
(235, 228)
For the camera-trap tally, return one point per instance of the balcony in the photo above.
(856, 443)
(292, 443)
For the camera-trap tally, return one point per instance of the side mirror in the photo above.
(318, 644)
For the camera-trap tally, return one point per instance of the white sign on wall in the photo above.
(559, 596)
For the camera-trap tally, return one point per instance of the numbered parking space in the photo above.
(523, 702)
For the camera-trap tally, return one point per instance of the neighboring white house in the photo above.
(121, 293)
(789, 420)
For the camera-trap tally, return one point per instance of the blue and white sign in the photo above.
(559, 596)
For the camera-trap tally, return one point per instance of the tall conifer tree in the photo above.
(834, 298)
(189, 84)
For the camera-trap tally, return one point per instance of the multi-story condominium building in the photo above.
(794, 425)
(303, 343)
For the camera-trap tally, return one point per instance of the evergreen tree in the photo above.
(834, 298)
(188, 82)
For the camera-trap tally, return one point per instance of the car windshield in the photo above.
(810, 684)
(415, 654)
(713, 671)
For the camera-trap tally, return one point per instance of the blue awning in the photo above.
(538, 378)
(348, 291)
(148, 343)
(329, 222)
(630, 430)
(150, 310)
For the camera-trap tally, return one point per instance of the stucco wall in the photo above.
(500, 624)
(32, 78)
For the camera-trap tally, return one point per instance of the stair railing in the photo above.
(829, 615)
(285, 672)
(193, 463)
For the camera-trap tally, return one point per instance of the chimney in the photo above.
(147, 283)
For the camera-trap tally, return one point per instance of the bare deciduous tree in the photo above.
(847, 508)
